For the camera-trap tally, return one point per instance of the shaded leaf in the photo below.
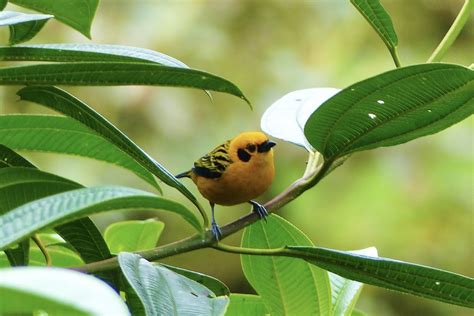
(245, 304)
(164, 292)
(213, 284)
(86, 52)
(67, 136)
(116, 74)
(279, 281)
(392, 274)
(392, 108)
(22, 221)
(78, 14)
(23, 27)
(3, 4)
(20, 255)
(133, 235)
(53, 290)
(9, 158)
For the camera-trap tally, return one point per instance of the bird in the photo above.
(235, 172)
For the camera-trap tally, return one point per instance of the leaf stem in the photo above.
(250, 251)
(453, 32)
(43, 249)
(396, 59)
(315, 172)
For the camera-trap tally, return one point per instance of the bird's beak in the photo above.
(265, 146)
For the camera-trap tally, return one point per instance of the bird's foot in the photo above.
(216, 231)
(259, 209)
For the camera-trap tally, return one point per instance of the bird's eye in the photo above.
(251, 147)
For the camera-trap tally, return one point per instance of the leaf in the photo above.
(279, 281)
(286, 117)
(3, 4)
(56, 291)
(133, 235)
(345, 292)
(23, 27)
(116, 74)
(86, 52)
(67, 136)
(9, 158)
(392, 108)
(392, 274)
(22, 221)
(19, 256)
(379, 19)
(60, 257)
(164, 292)
(245, 304)
(213, 284)
(78, 14)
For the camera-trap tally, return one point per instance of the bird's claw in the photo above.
(260, 210)
(216, 231)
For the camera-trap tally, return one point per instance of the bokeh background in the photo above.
(414, 202)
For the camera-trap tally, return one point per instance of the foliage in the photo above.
(289, 274)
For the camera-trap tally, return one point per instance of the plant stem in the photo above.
(453, 32)
(43, 249)
(250, 251)
(315, 172)
(396, 59)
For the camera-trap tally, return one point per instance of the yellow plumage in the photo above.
(235, 172)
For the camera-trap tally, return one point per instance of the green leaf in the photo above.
(3, 4)
(23, 221)
(380, 21)
(245, 304)
(23, 27)
(67, 136)
(213, 284)
(116, 74)
(86, 52)
(78, 14)
(133, 235)
(60, 257)
(345, 292)
(164, 292)
(278, 280)
(392, 108)
(56, 291)
(392, 274)
(9, 158)
(19, 256)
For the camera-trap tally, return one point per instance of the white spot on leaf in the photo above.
(380, 101)
(372, 116)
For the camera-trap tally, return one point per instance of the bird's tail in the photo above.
(186, 174)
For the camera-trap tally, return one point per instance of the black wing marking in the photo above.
(214, 163)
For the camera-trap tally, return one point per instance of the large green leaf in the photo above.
(63, 102)
(164, 292)
(115, 74)
(213, 284)
(9, 158)
(286, 286)
(392, 108)
(378, 18)
(61, 256)
(23, 27)
(392, 274)
(57, 292)
(20, 255)
(345, 292)
(64, 135)
(22, 221)
(86, 52)
(78, 14)
(245, 304)
(133, 235)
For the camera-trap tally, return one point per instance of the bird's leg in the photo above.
(259, 209)
(216, 231)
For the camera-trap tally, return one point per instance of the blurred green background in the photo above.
(414, 202)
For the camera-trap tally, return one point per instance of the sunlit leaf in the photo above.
(392, 108)
(56, 291)
(245, 304)
(64, 207)
(279, 281)
(164, 292)
(133, 235)
(78, 14)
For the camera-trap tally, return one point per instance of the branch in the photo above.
(315, 172)
(453, 32)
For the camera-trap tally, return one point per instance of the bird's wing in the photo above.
(214, 163)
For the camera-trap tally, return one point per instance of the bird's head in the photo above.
(251, 146)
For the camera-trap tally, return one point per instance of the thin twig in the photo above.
(43, 249)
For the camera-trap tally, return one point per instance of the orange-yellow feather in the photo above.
(228, 177)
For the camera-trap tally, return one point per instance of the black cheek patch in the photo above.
(243, 155)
